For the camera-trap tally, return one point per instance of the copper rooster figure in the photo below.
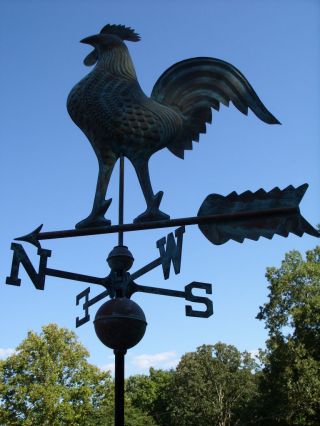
(109, 106)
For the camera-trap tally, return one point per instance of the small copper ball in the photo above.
(120, 258)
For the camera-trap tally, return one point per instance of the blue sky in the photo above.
(48, 169)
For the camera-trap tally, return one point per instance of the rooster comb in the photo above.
(125, 33)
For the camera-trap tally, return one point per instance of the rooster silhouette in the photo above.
(111, 109)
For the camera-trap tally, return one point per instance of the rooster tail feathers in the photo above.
(196, 85)
(211, 80)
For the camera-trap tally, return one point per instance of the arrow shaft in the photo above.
(147, 268)
(74, 276)
(157, 290)
(195, 220)
(96, 298)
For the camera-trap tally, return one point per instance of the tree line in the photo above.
(49, 381)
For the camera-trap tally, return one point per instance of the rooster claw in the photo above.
(152, 212)
(96, 218)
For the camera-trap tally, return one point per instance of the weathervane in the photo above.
(120, 122)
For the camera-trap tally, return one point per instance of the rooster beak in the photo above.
(93, 40)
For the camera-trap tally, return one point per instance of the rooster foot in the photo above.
(153, 213)
(96, 218)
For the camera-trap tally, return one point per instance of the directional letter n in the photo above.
(170, 251)
(20, 256)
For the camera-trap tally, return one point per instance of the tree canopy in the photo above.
(48, 381)
(213, 386)
(290, 382)
(152, 394)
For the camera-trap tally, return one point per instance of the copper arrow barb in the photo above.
(35, 236)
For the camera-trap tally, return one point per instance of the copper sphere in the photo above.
(120, 323)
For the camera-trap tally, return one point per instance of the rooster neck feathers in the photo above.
(116, 61)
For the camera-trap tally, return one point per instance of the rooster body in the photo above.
(109, 106)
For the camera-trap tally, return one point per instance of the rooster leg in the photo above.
(152, 212)
(100, 204)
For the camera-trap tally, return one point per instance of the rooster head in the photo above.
(110, 36)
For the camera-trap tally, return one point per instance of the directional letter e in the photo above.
(171, 252)
(20, 256)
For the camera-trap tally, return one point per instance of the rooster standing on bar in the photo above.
(109, 106)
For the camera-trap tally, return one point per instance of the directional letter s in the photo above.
(197, 299)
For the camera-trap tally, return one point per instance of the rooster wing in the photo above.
(126, 121)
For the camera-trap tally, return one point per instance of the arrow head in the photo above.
(32, 238)
(254, 215)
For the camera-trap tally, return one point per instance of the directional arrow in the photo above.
(274, 212)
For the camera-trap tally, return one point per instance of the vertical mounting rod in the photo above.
(121, 196)
(119, 387)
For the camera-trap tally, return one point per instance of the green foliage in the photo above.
(50, 382)
(213, 386)
(291, 378)
(151, 394)
(133, 416)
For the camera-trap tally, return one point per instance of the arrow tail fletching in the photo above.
(255, 214)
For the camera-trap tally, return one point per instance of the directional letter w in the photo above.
(20, 256)
(170, 251)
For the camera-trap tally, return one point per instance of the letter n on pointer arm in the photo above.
(21, 257)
